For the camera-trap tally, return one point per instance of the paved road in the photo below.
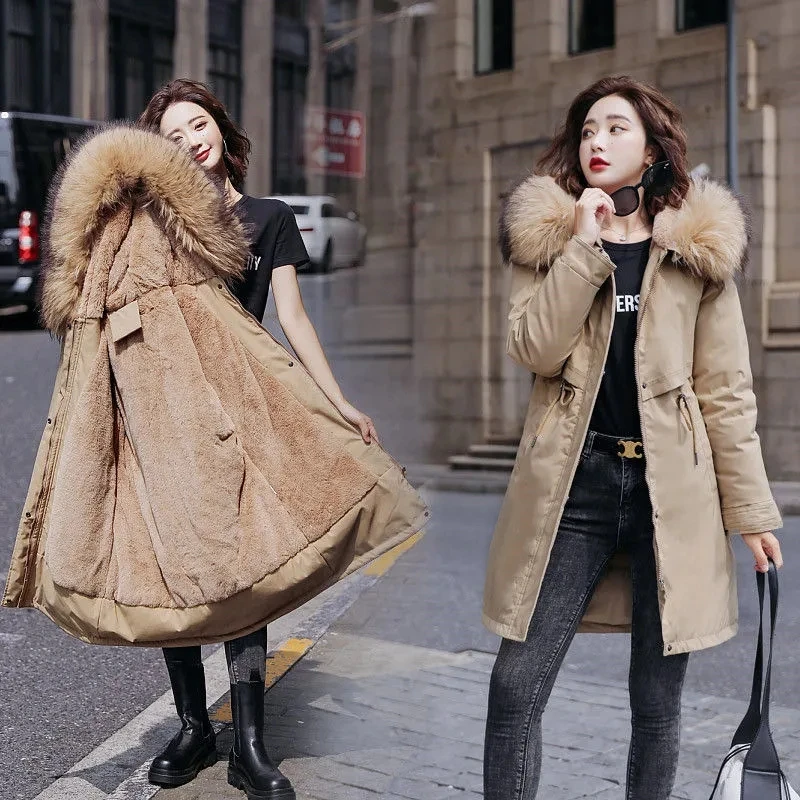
(61, 698)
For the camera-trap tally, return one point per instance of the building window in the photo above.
(22, 89)
(700, 13)
(591, 25)
(494, 36)
(60, 58)
(290, 76)
(225, 53)
(291, 9)
(140, 53)
(34, 49)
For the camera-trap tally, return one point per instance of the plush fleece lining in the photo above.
(187, 472)
(707, 235)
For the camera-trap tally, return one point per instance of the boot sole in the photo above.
(171, 779)
(238, 781)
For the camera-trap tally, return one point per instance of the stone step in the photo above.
(510, 441)
(484, 464)
(493, 450)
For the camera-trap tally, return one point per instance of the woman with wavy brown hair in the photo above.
(189, 115)
(639, 457)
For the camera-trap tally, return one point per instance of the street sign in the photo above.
(335, 142)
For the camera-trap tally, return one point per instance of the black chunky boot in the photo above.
(249, 766)
(194, 747)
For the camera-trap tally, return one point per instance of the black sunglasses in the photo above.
(657, 180)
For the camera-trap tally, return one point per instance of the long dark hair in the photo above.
(663, 124)
(181, 90)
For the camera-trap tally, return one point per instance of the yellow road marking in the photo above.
(382, 564)
(278, 664)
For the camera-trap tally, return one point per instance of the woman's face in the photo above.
(613, 150)
(190, 126)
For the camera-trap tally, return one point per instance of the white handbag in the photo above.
(752, 770)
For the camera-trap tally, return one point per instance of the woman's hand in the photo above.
(592, 209)
(360, 420)
(764, 545)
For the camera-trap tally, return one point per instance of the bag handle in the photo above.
(747, 730)
(762, 756)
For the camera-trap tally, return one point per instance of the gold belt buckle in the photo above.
(630, 449)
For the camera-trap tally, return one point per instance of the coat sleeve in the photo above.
(723, 383)
(548, 309)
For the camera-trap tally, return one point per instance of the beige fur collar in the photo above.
(707, 236)
(121, 165)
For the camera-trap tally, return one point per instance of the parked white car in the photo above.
(333, 237)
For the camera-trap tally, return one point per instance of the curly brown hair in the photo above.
(181, 90)
(663, 124)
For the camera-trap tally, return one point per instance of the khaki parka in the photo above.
(704, 465)
(193, 482)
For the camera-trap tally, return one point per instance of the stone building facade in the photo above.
(483, 127)
(458, 105)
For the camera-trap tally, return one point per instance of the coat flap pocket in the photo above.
(125, 321)
(664, 383)
(573, 376)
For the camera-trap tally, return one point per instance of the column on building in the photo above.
(191, 37)
(315, 93)
(362, 93)
(258, 37)
(90, 60)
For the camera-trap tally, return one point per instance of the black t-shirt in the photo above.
(616, 411)
(275, 242)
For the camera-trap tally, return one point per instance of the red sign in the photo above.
(335, 142)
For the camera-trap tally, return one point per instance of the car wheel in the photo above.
(326, 264)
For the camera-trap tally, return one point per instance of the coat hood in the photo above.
(123, 166)
(708, 234)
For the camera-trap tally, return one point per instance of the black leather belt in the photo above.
(624, 448)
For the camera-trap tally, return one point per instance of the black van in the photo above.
(31, 148)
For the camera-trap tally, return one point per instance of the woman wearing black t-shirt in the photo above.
(187, 113)
(640, 437)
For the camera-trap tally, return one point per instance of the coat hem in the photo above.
(114, 623)
(509, 631)
(701, 642)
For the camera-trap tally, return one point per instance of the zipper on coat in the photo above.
(639, 387)
(51, 462)
(683, 405)
(565, 395)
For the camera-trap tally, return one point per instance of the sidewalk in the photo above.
(361, 718)
(378, 689)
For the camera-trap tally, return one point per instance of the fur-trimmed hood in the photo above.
(708, 235)
(124, 166)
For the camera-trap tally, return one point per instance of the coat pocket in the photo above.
(692, 418)
(566, 393)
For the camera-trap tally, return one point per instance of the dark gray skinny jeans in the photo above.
(608, 510)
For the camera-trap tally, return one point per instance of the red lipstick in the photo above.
(201, 157)
(598, 163)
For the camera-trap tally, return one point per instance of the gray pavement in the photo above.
(391, 702)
